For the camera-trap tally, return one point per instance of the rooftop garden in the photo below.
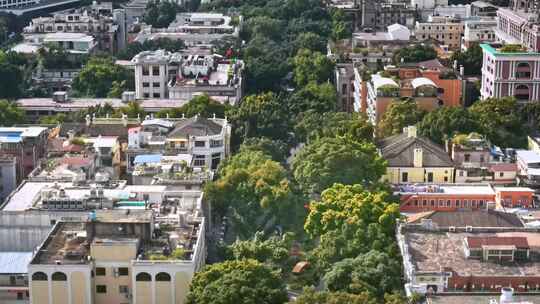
(512, 48)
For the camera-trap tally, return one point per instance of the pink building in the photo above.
(513, 72)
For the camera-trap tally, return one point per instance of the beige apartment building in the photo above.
(446, 30)
(117, 257)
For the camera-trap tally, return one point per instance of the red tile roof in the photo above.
(76, 161)
(478, 242)
(503, 167)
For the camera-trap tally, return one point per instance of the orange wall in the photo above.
(518, 198)
(452, 88)
(408, 202)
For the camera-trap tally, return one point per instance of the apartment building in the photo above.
(26, 144)
(73, 43)
(375, 95)
(513, 70)
(478, 31)
(183, 75)
(415, 159)
(470, 258)
(452, 197)
(459, 11)
(207, 140)
(195, 28)
(447, 30)
(483, 9)
(114, 257)
(96, 21)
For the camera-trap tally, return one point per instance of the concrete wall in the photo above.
(22, 232)
(419, 175)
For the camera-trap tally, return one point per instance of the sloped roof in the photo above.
(422, 81)
(478, 242)
(474, 218)
(379, 81)
(398, 150)
(196, 126)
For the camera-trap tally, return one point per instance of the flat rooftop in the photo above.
(78, 104)
(433, 251)
(482, 299)
(457, 189)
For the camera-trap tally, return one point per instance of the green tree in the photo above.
(445, 122)
(54, 119)
(501, 122)
(312, 125)
(330, 160)
(257, 191)
(415, 53)
(260, 115)
(276, 149)
(234, 282)
(133, 110)
(309, 296)
(201, 105)
(160, 14)
(11, 77)
(310, 41)
(264, 26)
(374, 272)
(321, 98)
(272, 251)
(311, 66)
(98, 75)
(10, 114)
(398, 115)
(341, 27)
(266, 64)
(471, 59)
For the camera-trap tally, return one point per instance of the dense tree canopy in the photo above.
(445, 122)
(471, 59)
(415, 53)
(276, 148)
(201, 105)
(11, 75)
(321, 98)
(160, 13)
(398, 115)
(234, 282)
(97, 76)
(374, 272)
(256, 189)
(272, 251)
(260, 115)
(312, 67)
(10, 114)
(312, 125)
(500, 121)
(315, 167)
(309, 296)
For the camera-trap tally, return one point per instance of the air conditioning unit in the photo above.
(468, 228)
(452, 229)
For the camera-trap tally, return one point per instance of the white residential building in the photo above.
(478, 31)
(161, 74)
(205, 139)
(195, 28)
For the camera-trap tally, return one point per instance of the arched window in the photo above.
(523, 70)
(163, 276)
(143, 277)
(39, 276)
(521, 92)
(59, 276)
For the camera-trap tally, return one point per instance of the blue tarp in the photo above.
(148, 158)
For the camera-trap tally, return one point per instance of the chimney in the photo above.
(418, 157)
(411, 131)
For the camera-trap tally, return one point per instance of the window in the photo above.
(39, 276)
(432, 203)
(163, 277)
(145, 71)
(404, 177)
(123, 289)
(59, 276)
(200, 143)
(199, 160)
(430, 177)
(448, 203)
(155, 84)
(146, 84)
(101, 289)
(458, 202)
(523, 70)
(143, 277)
(521, 92)
(146, 95)
(123, 271)
(156, 95)
(467, 157)
(446, 179)
(424, 202)
(216, 143)
(100, 271)
(155, 71)
(501, 174)
(416, 202)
